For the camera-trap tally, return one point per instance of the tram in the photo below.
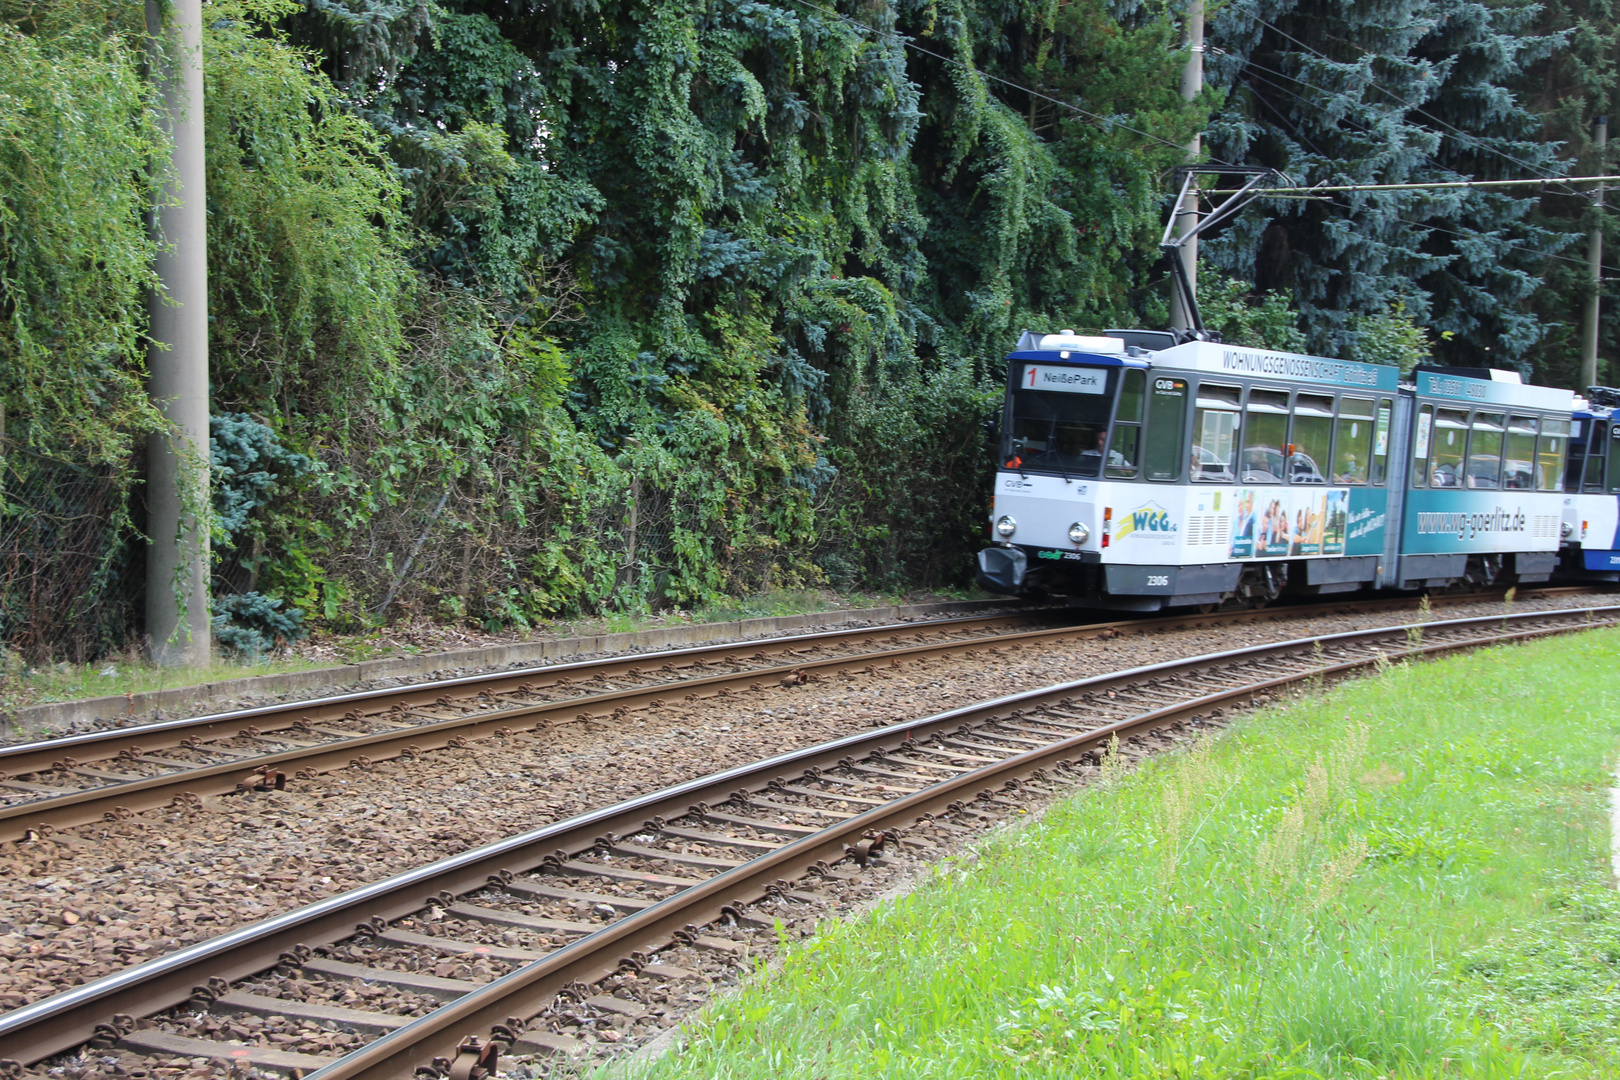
(1591, 522)
(1139, 473)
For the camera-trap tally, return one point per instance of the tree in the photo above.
(1568, 89)
(1404, 91)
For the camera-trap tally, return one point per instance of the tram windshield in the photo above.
(1059, 431)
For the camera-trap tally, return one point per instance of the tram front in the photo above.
(1072, 428)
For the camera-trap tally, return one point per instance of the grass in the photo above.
(1406, 877)
(21, 686)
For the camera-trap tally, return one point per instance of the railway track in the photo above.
(583, 926)
(115, 774)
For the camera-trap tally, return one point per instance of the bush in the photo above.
(249, 625)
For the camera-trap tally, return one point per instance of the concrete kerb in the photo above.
(178, 701)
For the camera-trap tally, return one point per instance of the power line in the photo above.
(1364, 129)
(1346, 207)
(1424, 186)
(1509, 243)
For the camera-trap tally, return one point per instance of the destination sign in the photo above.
(1066, 380)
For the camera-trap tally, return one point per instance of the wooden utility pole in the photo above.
(1594, 265)
(177, 358)
(1186, 214)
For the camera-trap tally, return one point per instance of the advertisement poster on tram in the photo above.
(1273, 523)
(1243, 525)
(1273, 532)
(1307, 534)
(1333, 521)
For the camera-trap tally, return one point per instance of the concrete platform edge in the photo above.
(205, 697)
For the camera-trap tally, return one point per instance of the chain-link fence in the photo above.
(69, 575)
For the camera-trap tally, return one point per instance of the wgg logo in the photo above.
(1150, 518)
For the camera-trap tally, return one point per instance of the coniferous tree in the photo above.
(1569, 88)
(1400, 91)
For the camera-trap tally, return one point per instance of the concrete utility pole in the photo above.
(1594, 265)
(177, 471)
(1192, 84)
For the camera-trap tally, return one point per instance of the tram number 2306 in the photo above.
(1158, 579)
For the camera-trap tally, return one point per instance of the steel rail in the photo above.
(124, 799)
(43, 754)
(523, 993)
(49, 1026)
(132, 796)
(19, 759)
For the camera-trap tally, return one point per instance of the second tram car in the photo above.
(1591, 524)
(1203, 473)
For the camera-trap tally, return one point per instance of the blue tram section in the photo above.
(1591, 522)
(1200, 473)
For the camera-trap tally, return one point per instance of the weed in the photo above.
(1414, 632)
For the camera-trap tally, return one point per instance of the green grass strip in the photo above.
(1406, 877)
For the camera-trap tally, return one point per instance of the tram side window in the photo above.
(1422, 444)
(1485, 451)
(1595, 460)
(1380, 450)
(1167, 419)
(1265, 437)
(1449, 449)
(1550, 450)
(1124, 450)
(1352, 447)
(1312, 441)
(1519, 460)
(1214, 437)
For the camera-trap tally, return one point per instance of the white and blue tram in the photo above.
(1591, 524)
(1200, 473)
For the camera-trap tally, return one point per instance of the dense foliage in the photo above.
(521, 308)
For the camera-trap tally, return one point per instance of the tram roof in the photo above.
(1205, 356)
(1301, 369)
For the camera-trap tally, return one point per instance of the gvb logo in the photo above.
(1150, 519)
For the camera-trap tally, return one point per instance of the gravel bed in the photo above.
(9, 736)
(91, 900)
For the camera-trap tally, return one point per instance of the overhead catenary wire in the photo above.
(1320, 191)
(1419, 185)
(1363, 128)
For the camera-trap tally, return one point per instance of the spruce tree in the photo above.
(1400, 91)
(1569, 88)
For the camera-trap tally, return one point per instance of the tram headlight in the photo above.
(1566, 530)
(1005, 525)
(1079, 533)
